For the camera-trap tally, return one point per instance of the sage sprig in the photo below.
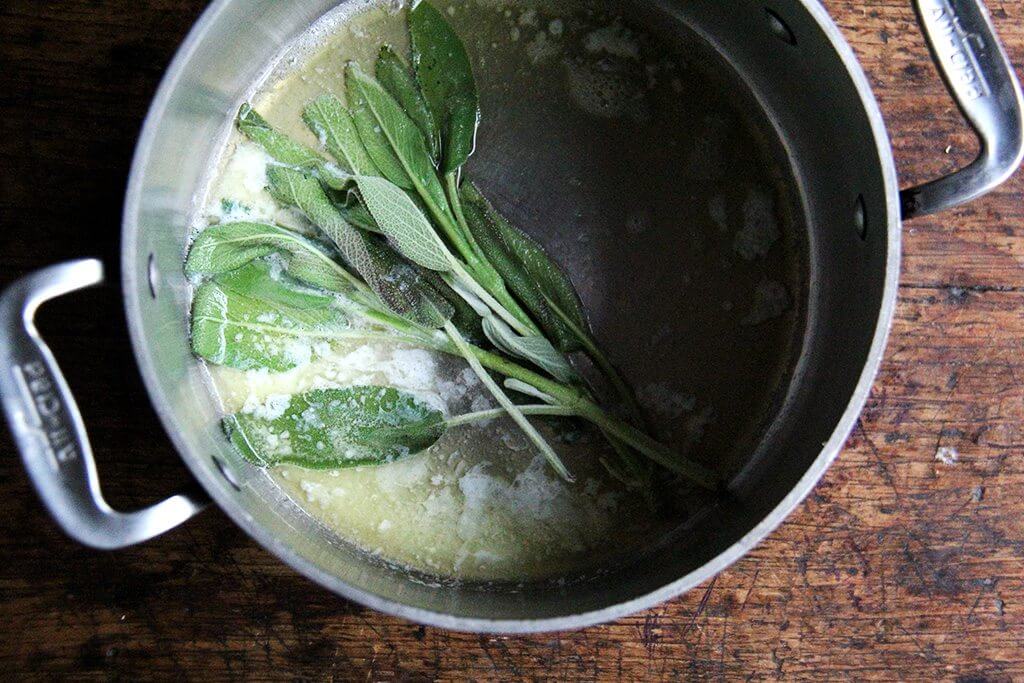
(347, 427)
(411, 253)
(397, 284)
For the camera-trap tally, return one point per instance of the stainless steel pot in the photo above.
(810, 85)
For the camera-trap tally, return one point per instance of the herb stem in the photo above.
(567, 397)
(487, 275)
(451, 186)
(492, 303)
(654, 450)
(469, 418)
(622, 431)
(622, 388)
(529, 430)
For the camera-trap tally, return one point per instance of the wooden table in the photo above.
(899, 564)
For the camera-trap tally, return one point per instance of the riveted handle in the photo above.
(980, 77)
(48, 428)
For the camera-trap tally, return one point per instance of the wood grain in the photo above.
(898, 566)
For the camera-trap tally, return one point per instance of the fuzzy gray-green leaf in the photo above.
(527, 269)
(286, 151)
(356, 213)
(335, 428)
(396, 283)
(446, 77)
(222, 248)
(246, 319)
(382, 125)
(465, 317)
(327, 117)
(394, 75)
(292, 187)
(401, 220)
(535, 348)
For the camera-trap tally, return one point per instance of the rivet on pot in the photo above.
(228, 475)
(860, 217)
(151, 275)
(780, 28)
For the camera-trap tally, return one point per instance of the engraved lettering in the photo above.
(34, 369)
(48, 405)
(953, 47)
(46, 419)
(67, 453)
(58, 436)
(39, 385)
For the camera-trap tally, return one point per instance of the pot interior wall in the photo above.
(827, 153)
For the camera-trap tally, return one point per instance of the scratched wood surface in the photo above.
(898, 566)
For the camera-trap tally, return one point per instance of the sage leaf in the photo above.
(394, 75)
(335, 428)
(356, 213)
(391, 135)
(535, 348)
(465, 318)
(401, 220)
(222, 248)
(372, 134)
(293, 187)
(330, 121)
(246, 319)
(524, 266)
(395, 282)
(551, 278)
(286, 151)
(446, 78)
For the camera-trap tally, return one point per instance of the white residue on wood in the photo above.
(947, 455)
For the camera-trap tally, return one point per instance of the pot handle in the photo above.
(47, 426)
(980, 77)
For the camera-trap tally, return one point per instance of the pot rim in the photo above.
(830, 449)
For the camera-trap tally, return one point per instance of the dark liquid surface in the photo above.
(647, 169)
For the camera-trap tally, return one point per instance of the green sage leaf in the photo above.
(356, 213)
(393, 140)
(465, 318)
(286, 151)
(446, 77)
(396, 283)
(400, 219)
(222, 248)
(394, 74)
(535, 348)
(335, 428)
(248, 320)
(525, 267)
(330, 121)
